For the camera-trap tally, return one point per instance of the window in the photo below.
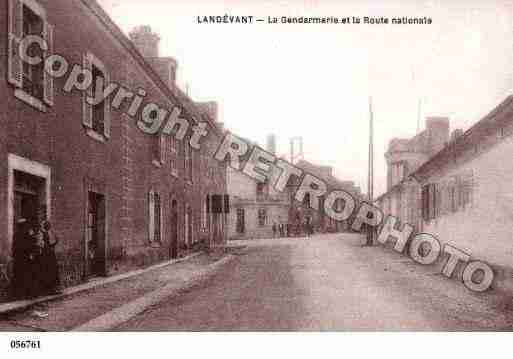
(98, 109)
(429, 201)
(33, 81)
(173, 155)
(466, 186)
(453, 198)
(159, 150)
(241, 221)
(204, 216)
(96, 116)
(262, 217)
(155, 217)
(260, 190)
(187, 160)
(33, 85)
(188, 225)
(306, 200)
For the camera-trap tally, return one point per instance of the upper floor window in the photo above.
(261, 189)
(306, 200)
(262, 217)
(173, 155)
(96, 116)
(33, 85)
(187, 160)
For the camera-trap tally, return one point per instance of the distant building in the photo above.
(301, 213)
(257, 206)
(403, 157)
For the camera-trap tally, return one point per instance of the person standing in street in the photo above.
(274, 229)
(22, 247)
(49, 261)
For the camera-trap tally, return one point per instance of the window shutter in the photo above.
(106, 104)
(151, 215)
(438, 200)
(425, 202)
(15, 65)
(162, 148)
(87, 110)
(48, 80)
(432, 204)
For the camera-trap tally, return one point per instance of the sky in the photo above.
(315, 81)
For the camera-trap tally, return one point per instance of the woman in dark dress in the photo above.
(22, 274)
(51, 281)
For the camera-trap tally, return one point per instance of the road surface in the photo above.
(327, 282)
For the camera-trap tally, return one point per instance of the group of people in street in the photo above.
(289, 230)
(35, 267)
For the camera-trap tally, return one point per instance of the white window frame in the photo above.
(173, 157)
(19, 92)
(91, 60)
(18, 163)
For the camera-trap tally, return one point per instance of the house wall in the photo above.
(242, 190)
(121, 167)
(482, 229)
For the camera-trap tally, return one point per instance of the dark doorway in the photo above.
(188, 224)
(96, 232)
(241, 221)
(173, 250)
(29, 197)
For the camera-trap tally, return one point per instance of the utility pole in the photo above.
(419, 114)
(419, 100)
(370, 183)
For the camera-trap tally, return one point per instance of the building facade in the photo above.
(466, 197)
(403, 157)
(117, 197)
(257, 207)
(302, 213)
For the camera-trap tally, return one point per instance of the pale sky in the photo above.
(314, 80)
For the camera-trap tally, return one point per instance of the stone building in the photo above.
(257, 206)
(466, 196)
(301, 213)
(403, 157)
(117, 197)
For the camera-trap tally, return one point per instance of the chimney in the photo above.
(147, 42)
(210, 109)
(437, 129)
(271, 143)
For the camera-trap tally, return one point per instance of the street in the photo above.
(326, 282)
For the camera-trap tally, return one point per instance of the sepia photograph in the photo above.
(302, 173)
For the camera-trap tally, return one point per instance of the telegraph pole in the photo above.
(370, 182)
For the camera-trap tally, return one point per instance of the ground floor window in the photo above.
(155, 217)
(240, 226)
(262, 217)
